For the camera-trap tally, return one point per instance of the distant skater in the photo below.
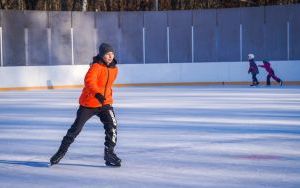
(253, 69)
(271, 73)
(96, 99)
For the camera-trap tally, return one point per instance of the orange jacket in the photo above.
(98, 79)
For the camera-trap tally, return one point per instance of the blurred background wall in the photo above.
(40, 47)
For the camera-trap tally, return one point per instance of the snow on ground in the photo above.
(196, 136)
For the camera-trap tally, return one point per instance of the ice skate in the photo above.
(111, 159)
(255, 84)
(57, 156)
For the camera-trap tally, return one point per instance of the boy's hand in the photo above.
(100, 97)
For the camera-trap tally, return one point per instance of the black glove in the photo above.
(100, 97)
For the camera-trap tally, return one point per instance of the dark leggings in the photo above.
(254, 79)
(107, 117)
(272, 75)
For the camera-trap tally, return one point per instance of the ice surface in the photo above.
(197, 136)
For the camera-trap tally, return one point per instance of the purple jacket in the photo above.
(267, 66)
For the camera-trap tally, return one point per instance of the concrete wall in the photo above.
(34, 38)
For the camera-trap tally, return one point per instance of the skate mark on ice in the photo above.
(26, 163)
(82, 165)
(261, 157)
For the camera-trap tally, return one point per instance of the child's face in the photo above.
(108, 57)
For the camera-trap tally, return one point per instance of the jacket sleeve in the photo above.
(91, 79)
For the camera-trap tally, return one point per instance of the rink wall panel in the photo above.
(13, 42)
(252, 32)
(37, 53)
(205, 36)
(104, 33)
(228, 32)
(179, 23)
(276, 27)
(60, 37)
(155, 25)
(294, 27)
(84, 37)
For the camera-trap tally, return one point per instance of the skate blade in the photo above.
(112, 165)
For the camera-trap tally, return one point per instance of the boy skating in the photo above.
(96, 99)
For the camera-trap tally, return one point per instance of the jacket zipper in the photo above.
(106, 81)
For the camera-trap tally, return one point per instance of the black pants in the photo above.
(107, 117)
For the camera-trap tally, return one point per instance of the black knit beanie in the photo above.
(105, 48)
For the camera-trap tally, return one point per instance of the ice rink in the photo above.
(168, 137)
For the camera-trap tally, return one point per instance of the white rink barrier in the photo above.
(31, 77)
